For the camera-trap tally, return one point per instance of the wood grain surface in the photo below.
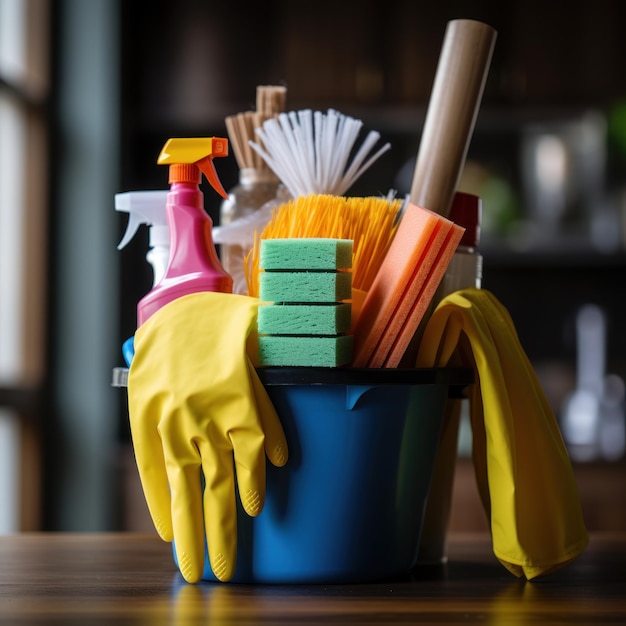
(130, 579)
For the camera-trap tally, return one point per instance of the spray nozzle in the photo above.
(188, 157)
(144, 207)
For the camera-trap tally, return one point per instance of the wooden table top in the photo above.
(130, 579)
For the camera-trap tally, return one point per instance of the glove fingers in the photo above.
(220, 511)
(250, 466)
(187, 520)
(275, 441)
(152, 472)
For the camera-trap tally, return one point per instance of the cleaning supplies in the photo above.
(466, 266)
(309, 151)
(147, 207)
(464, 271)
(369, 222)
(215, 421)
(321, 254)
(193, 265)
(305, 319)
(301, 285)
(414, 266)
(451, 115)
(315, 154)
(404, 286)
(305, 279)
(256, 187)
(523, 472)
(198, 410)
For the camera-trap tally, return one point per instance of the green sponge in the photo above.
(304, 319)
(306, 322)
(305, 254)
(281, 351)
(305, 286)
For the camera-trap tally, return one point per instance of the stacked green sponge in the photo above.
(305, 283)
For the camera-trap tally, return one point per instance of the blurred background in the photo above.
(91, 89)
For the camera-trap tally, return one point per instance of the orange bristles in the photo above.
(369, 222)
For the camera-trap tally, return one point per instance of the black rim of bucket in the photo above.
(456, 378)
(283, 376)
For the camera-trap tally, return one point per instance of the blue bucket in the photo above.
(348, 506)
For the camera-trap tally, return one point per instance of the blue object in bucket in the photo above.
(349, 504)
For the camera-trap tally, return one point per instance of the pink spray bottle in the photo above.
(193, 264)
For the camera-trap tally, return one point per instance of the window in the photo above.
(24, 87)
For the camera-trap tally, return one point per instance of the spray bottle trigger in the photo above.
(207, 167)
(134, 222)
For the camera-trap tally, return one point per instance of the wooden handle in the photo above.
(452, 110)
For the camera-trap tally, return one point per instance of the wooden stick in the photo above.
(261, 98)
(452, 110)
(270, 99)
(258, 119)
(242, 129)
(235, 140)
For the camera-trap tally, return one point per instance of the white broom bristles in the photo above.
(309, 151)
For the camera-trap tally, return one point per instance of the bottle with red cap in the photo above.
(466, 267)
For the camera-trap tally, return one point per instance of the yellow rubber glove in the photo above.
(197, 407)
(522, 468)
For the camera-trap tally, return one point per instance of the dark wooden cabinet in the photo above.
(193, 62)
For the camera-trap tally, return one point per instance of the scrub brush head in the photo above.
(370, 222)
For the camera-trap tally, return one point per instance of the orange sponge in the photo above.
(404, 286)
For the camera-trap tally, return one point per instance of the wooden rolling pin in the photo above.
(452, 110)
